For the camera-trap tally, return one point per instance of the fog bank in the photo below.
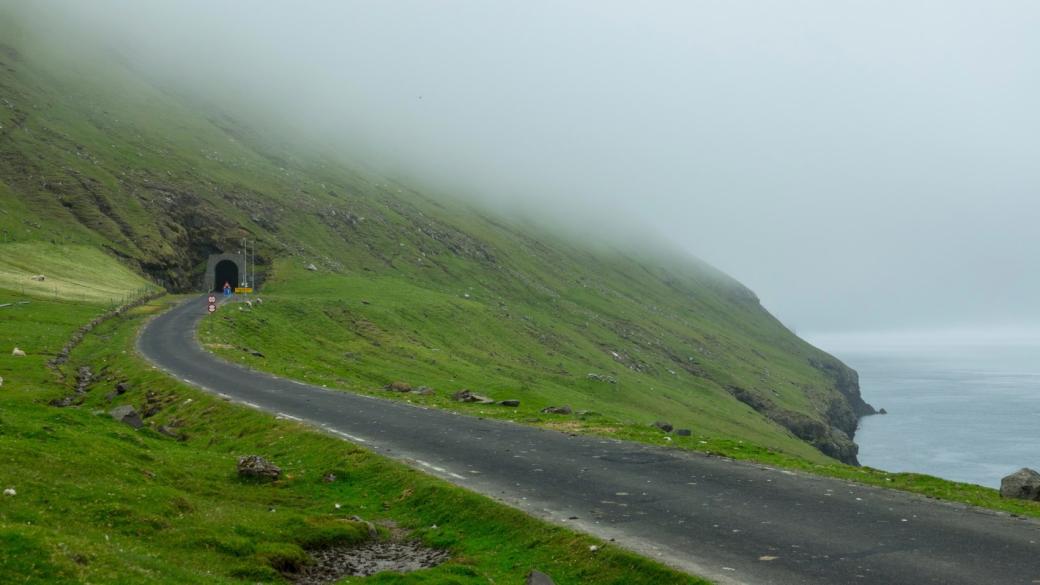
(860, 165)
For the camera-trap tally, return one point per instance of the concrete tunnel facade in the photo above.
(221, 268)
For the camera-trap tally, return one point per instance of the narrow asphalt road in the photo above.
(732, 522)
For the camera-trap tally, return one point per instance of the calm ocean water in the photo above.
(955, 410)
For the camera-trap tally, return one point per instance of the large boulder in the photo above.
(17, 352)
(1023, 484)
(557, 410)
(126, 414)
(511, 402)
(256, 467)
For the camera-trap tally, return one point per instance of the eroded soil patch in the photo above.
(331, 564)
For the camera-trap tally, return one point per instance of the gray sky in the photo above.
(860, 165)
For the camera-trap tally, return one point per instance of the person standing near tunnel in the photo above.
(227, 289)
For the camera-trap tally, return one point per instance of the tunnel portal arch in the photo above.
(221, 268)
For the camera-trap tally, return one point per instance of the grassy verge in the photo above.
(69, 272)
(100, 502)
(360, 334)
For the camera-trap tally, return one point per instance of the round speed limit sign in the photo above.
(212, 299)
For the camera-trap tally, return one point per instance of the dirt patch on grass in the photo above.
(575, 426)
(334, 563)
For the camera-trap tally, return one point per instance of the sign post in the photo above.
(212, 308)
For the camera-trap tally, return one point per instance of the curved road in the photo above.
(729, 521)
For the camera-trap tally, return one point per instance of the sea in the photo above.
(961, 405)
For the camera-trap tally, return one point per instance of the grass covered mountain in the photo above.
(429, 291)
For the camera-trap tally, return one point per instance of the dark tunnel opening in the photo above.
(225, 271)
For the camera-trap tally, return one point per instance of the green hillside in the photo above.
(429, 291)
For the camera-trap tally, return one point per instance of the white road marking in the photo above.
(289, 416)
(346, 436)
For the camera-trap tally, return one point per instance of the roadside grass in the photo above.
(100, 502)
(71, 272)
(362, 333)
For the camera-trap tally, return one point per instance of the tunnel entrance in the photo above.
(221, 268)
(225, 271)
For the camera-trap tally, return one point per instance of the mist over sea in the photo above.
(961, 406)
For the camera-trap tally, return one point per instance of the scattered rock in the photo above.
(683, 432)
(664, 426)
(127, 415)
(511, 402)
(10, 492)
(1, 381)
(601, 378)
(587, 413)
(398, 387)
(312, 267)
(17, 352)
(882, 411)
(1023, 484)
(254, 352)
(255, 466)
(557, 410)
(328, 477)
(154, 403)
(64, 401)
(423, 391)
(38, 277)
(119, 390)
(536, 577)
(469, 396)
(84, 376)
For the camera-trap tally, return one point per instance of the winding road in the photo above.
(732, 522)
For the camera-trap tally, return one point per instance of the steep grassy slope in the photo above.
(91, 153)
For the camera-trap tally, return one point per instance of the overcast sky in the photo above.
(860, 165)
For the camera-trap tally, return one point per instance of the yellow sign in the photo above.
(243, 289)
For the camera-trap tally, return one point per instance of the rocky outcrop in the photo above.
(846, 381)
(829, 439)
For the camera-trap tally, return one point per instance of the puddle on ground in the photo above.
(332, 564)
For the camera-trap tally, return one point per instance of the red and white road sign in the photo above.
(212, 308)
(212, 299)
